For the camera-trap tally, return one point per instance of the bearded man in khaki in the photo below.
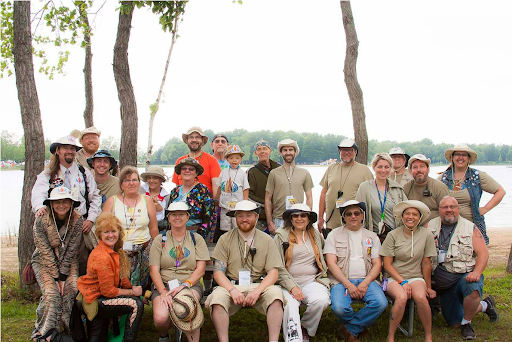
(90, 140)
(339, 184)
(423, 188)
(247, 265)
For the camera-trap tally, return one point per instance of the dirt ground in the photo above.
(499, 249)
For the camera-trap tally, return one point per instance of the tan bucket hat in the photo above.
(193, 129)
(186, 312)
(418, 157)
(154, 170)
(288, 142)
(67, 140)
(461, 148)
(422, 207)
(89, 130)
(234, 149)
(244, 205)
(189, 161)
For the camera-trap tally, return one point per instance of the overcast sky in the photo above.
(438, 69)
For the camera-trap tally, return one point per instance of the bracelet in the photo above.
(188, 281)
(231, 289)
(404, 282)
(131, 292)
(164, 290)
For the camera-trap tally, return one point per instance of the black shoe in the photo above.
(467, 332)
(491, 308)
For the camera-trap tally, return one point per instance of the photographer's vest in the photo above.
(460, 256)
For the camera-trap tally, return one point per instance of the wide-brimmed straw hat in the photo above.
(89, 130)
(62, 192)
(300, 208)
(234, 149)
(348, 143)
(288, 142)
(102, 154)
(193, 129)
(191, 162)
(244, 205)
(177, 206)
(67, 140)
(154, 170)
(186, 312)
(461, 148)
(418, 157)
(422, 207)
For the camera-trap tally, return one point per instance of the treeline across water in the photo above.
(314, 148)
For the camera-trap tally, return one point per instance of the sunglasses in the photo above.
(189, 169)
(353, 213)
(303, 215)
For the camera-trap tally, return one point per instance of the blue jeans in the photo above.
(452, 299)
(341, 305)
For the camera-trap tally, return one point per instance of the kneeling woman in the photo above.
(107, 285)
(177, 260)
(407, 251)
(300, 246)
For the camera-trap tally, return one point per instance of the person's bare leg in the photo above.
(274, 320)
(161, 317)
(419, 295)
(396, 291)
(194, 336)
(220, 319)
(472, 305)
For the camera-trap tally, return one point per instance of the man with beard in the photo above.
(195, 140)
(461, 259)
(219, 146)
(102, 162)
(90, 140)
(286, 186)
(399, 174)
(258, 176)
(339, 184)
(247, 265)
(422, 188)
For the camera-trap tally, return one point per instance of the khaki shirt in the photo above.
(401, 179)
(109, 188)
(279, 187)
(437, 191)
(185, 250)
(230, 249)
(81, 159)
(343, 177)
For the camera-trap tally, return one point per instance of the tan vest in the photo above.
(460, 257)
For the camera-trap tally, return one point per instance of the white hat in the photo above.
(62, 192)
(177, 206)
(300, 207)
(422, 207)
(197, 130)
(348, 143)
(67, 140)
(244, 205)
(288, 142)
(461, 148)
(89, 130)
(345, 205)
(418, 157)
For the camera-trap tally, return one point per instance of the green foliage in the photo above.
(6, 22)
(170, 13)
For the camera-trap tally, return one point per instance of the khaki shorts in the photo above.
(197, 287)
(221, 296)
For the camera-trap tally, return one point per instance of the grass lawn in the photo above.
(18, 316)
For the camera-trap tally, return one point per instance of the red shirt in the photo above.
(211, 170)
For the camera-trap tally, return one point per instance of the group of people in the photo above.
(105, 245)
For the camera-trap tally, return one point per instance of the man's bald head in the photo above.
(449, 210)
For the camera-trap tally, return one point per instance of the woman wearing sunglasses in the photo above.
(304, 278)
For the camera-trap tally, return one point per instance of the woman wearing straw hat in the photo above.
(407, 251)
(466, 185)
(153, 178)
(305, 281)
(177, 263)
(57, 236)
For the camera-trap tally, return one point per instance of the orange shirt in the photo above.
(211, 170)
(102, 278)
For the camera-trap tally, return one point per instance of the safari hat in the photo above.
(154, 170)
(418, 157)
(350, 203)
(244, 205)
(234, 149)
(177, 206)
(347, 143)
(300, 208)
(62, 192)
(67, 140)
(102, 154)
(288, 142)
(461, 148)
(186, 312)
(261, 142)
(423, 209)
(399, 150)
(191, 162)
(191, 130)
(89, 130)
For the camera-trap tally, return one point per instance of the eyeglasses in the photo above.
(452, 207)
(352, 213)
(303, 215)
(130, 181)
(220, 141)
(188, 168)
(459, 154)
(346, 150)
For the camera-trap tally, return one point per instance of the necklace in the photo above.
(341, 175)
(132, 213)
(57, 228)
(289, 177)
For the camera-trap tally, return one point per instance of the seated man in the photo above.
(352, 255)
(461, 258)
(246, 267)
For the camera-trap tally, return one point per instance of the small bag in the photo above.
(28, 277)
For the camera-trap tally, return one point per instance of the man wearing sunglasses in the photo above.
(352, 256)
(219, 146)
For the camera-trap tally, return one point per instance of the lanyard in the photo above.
(289, 178)
(382, 204)
(232, 179)
(442, 244)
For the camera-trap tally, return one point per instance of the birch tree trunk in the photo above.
(129, 121)
(32, 124)
(89, 104)
(354, 90)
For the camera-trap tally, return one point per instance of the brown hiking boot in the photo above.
(346, 335)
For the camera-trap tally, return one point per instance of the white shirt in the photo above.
(356, 268)
(160, 215)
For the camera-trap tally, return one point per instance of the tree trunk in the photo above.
(89, 104)
(32, 124)
(129, 124)
(354, 90)
(509, 264)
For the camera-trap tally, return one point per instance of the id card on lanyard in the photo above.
(382, 205)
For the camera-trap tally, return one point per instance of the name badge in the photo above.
(381, 227)
(289, 201)
(441, 256)
(173, 284)
(368, 243)
(244, 277)
(128, 246)
(231, 205)
(339, 202)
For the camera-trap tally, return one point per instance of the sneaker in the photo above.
(305, 335)
(467, 332)
(491, 308)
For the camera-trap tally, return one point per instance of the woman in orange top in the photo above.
(106, 283)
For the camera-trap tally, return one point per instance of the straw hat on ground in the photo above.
(197, 130)
(186, 312)
(461, 148)
(300, 208)
(191, 162)
(423, 209)
(154, 170)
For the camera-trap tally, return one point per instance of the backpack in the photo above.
(164, 237)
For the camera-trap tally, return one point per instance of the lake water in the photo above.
(499, 217)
